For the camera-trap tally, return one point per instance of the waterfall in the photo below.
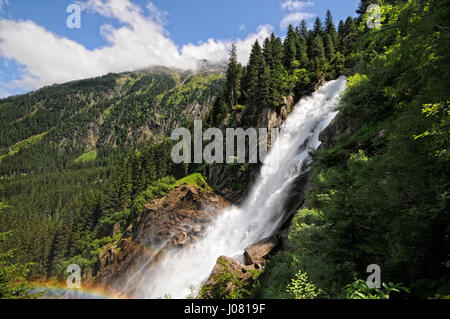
(261, 212)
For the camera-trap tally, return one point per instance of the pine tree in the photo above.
(267, 51)
(318, 52)
(254, 69)
(341, 35)
(329, 47)
(330, 29)
(318, 27)
(330, 55)
(232, 86)
(290, 48)
(264, 93)
(304, 29)
(302, 52)
(277, 51)
(277, 70)
(350, 35)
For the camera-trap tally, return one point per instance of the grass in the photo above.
(86, 157)
(16, 148)
(196, 180)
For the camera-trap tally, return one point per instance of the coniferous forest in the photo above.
(79, 161)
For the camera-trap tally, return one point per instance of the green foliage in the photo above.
(196, 180)
(12, 276)
(86, 157)
(380, 191)
(301, 288)
(227, 286)
(23, 145)
(359, 290)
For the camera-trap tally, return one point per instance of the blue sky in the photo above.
(37, 48)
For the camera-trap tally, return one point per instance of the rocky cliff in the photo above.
(170, 222)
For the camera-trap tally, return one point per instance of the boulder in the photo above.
(242, 276)
(257, 253)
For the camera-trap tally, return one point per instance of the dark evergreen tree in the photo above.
(350, 35)
(330, 29)
(264, 98)
(302, 52)
(290, 48)
(254, 69)
(318, 51)
(329, 47)
(341, 36)
(304, 29)
(318, 27)
(267, 51)
(232, 85)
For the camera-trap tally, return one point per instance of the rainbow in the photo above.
(52, 289)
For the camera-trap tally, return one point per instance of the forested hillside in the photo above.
(59, 145)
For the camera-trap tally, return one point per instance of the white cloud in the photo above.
(157, 15)
(141, 41)
(295, 18)
(295, 12)
(292, 5)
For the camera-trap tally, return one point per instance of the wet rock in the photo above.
(258, 252)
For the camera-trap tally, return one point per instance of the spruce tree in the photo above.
(318, 51)
(290, 48)
(304, 29)
(302, 52)
(341, 32)
(330, 29)
(254, 68)
(350, 35)
(264, 92)
(232, 86)
(267, 51)
(329, 47)
(318, 27)
(277, 70)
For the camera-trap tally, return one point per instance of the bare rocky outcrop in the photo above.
(257, 253)
(173, 221)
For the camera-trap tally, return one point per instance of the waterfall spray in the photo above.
(262, 211)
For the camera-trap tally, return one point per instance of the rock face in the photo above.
(258, 252)
(174, 221)
(231, 181)
(230, 277)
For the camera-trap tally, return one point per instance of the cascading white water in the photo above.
(260, 214)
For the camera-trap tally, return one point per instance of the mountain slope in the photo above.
(101, 113)
(60, 144)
